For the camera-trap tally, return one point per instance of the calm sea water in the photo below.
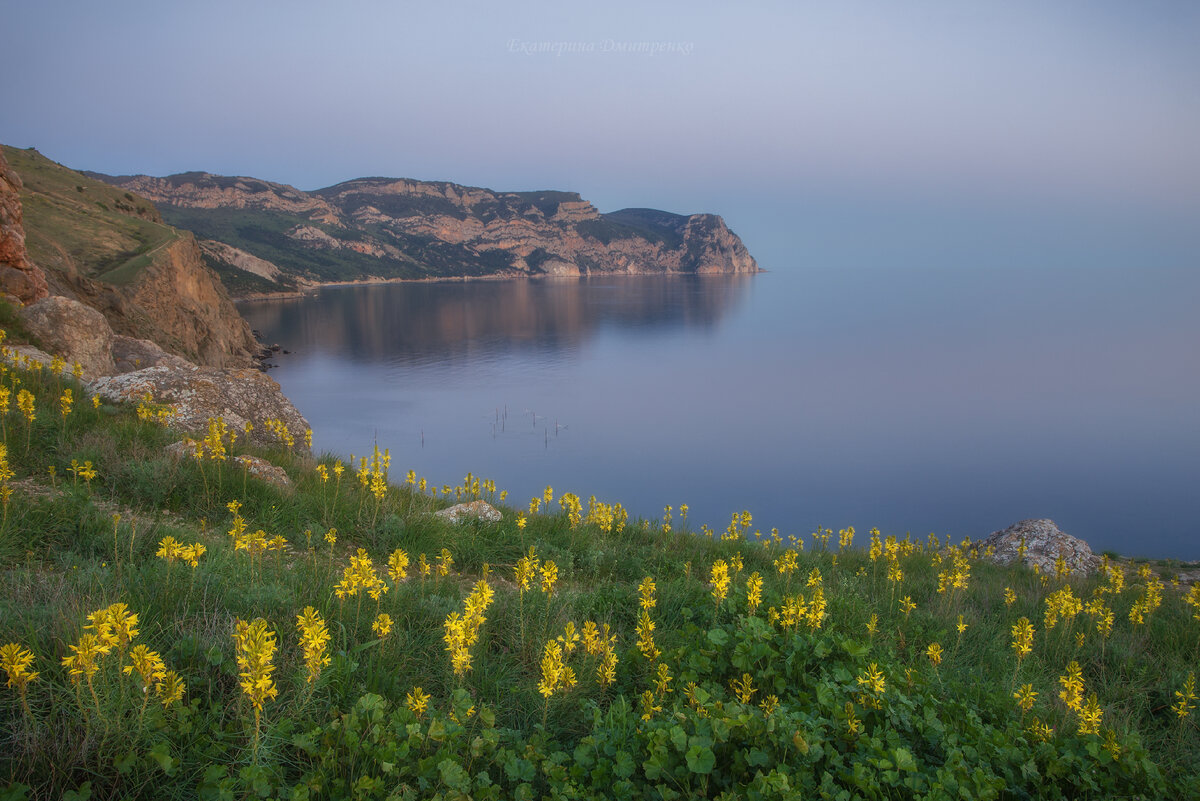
(923, 399)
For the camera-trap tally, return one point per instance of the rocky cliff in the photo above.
(110, 250)
(19, 277)
(400, 228)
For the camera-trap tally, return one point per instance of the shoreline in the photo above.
(310, 288)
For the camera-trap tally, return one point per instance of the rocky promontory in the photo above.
(273, 237)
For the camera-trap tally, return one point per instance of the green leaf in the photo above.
(904, 760)
(623, 765)
(718, 637)
(700, 759)
(82, 794)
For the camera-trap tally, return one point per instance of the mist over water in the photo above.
(925, 399)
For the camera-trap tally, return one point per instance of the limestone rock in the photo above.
(264, 470)
(131, 354)
(19, 276)
(475, 510)
(403, 227)
(198, 393)
(1044, 543)
(74, 331)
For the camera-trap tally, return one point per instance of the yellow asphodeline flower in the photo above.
(397, 565)
(1062, 604)
(958, 576)
(1090, 716)
(934, 652)
(417, 701)
(549, 577)
(150, 668)
(16, 661)
(1192, 599)
(314, 637)
(382, 624)
(462, 631)
(115, 626)
(83, 661)
(1182, 707)
(873, 685)
(1010, 597)
(556, 673)
(360, 575)
(601, 643)
(255, 648)
(754, 585)
(743, 688)
(65, 402)
(1150, 600)
(719, 577)
(25, 403)
(645, 626)
(527, 569)
(1025, 696)
(1072, 687)
(1022, 634)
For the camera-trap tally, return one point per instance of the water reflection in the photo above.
(417, 323)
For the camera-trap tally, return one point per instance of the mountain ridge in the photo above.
(377, 227)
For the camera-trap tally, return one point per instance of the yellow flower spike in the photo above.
(719, 579)
(743, 688)
(417, 701)
(314, 637)
(170, 689)
(1183, 706)
(1022, 634)
(549, 577)
(1072, 687)
(934, 652)
(1025, 697)
(754, 585)
(1090, 716)
(16, 662)
(397, 565)
(382, 624)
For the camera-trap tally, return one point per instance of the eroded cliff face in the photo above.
(404, 228)
(190, 308)
(19, 277)
(110, 250)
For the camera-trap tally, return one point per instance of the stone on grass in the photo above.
(475, 510)
(1044, 543)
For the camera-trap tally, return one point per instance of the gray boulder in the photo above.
(1044, 543)
(75, 332)
(200, 393)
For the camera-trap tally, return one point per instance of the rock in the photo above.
(131, 354)
(19, 276)
(264, 470)
(74, 331)
(199, 393)
(475, 510)
(1044, 543)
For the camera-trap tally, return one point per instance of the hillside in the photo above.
(229, 619)
(399, 228)
(110, 249)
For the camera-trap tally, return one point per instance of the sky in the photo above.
(751, 110)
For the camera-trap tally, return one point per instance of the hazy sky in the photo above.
(686, 106)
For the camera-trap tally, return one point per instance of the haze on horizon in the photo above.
(680, 106)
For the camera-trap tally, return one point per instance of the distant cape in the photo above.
(265, 237)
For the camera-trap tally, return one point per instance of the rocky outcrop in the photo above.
(474, 510)
(74, 331)
(387, 227)
(192, 312)
(129, 354)
(200, 393)
(19, 277)
(240, 260)
(1044, 543)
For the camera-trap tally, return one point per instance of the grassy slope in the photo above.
(108, 233)
(939, 732)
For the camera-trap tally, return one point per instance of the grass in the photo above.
(811, 726)
(73, 222)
